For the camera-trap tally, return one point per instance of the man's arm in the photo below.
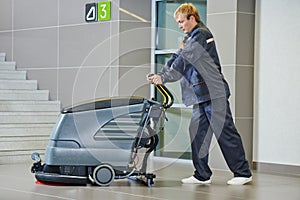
(172, 70)
(168, 73)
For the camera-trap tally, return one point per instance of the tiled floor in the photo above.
(18, 183)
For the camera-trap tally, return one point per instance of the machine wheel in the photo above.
(104, 175)
(149, 182)
(150, 142)
(150, 178)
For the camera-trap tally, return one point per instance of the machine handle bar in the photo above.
(167, 96)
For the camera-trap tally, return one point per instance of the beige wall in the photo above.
(74, 59)
(232, 23)
(277, 87)
(135, 48)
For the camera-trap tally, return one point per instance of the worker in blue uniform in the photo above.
(203, 86)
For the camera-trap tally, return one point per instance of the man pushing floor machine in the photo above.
(103, 140)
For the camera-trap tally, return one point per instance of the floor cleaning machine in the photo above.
(100, 141)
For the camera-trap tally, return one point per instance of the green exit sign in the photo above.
(100, 11)
(104, 11)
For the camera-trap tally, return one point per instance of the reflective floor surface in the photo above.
(17, 182)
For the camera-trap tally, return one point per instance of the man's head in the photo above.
(187, 17)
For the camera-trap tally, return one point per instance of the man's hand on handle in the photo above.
(154, 79)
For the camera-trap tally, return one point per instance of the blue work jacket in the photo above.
(198, 68)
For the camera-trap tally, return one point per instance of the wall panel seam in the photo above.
(232, 12)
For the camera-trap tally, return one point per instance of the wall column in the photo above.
(232, 24)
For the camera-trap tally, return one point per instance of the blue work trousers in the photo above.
(214, 117)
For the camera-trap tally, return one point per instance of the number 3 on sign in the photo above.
(103, 11)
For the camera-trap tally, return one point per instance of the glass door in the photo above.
(166, 39)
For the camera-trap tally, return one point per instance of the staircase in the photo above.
(27, 117)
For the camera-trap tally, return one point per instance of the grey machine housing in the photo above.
(102, 140)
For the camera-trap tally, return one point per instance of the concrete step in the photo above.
(18, 84)
(25, 130)
(7, 65)
(2, 57)
(18, 150)
(12, 75)
(25, 95)
(23, 143)
(28, 117)
(24, 156)
(18, 141)
(25, 106)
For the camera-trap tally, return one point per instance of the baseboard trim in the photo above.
(180, 155)
(276, 168)
(257, 166)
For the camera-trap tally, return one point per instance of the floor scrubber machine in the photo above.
(100, 141)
